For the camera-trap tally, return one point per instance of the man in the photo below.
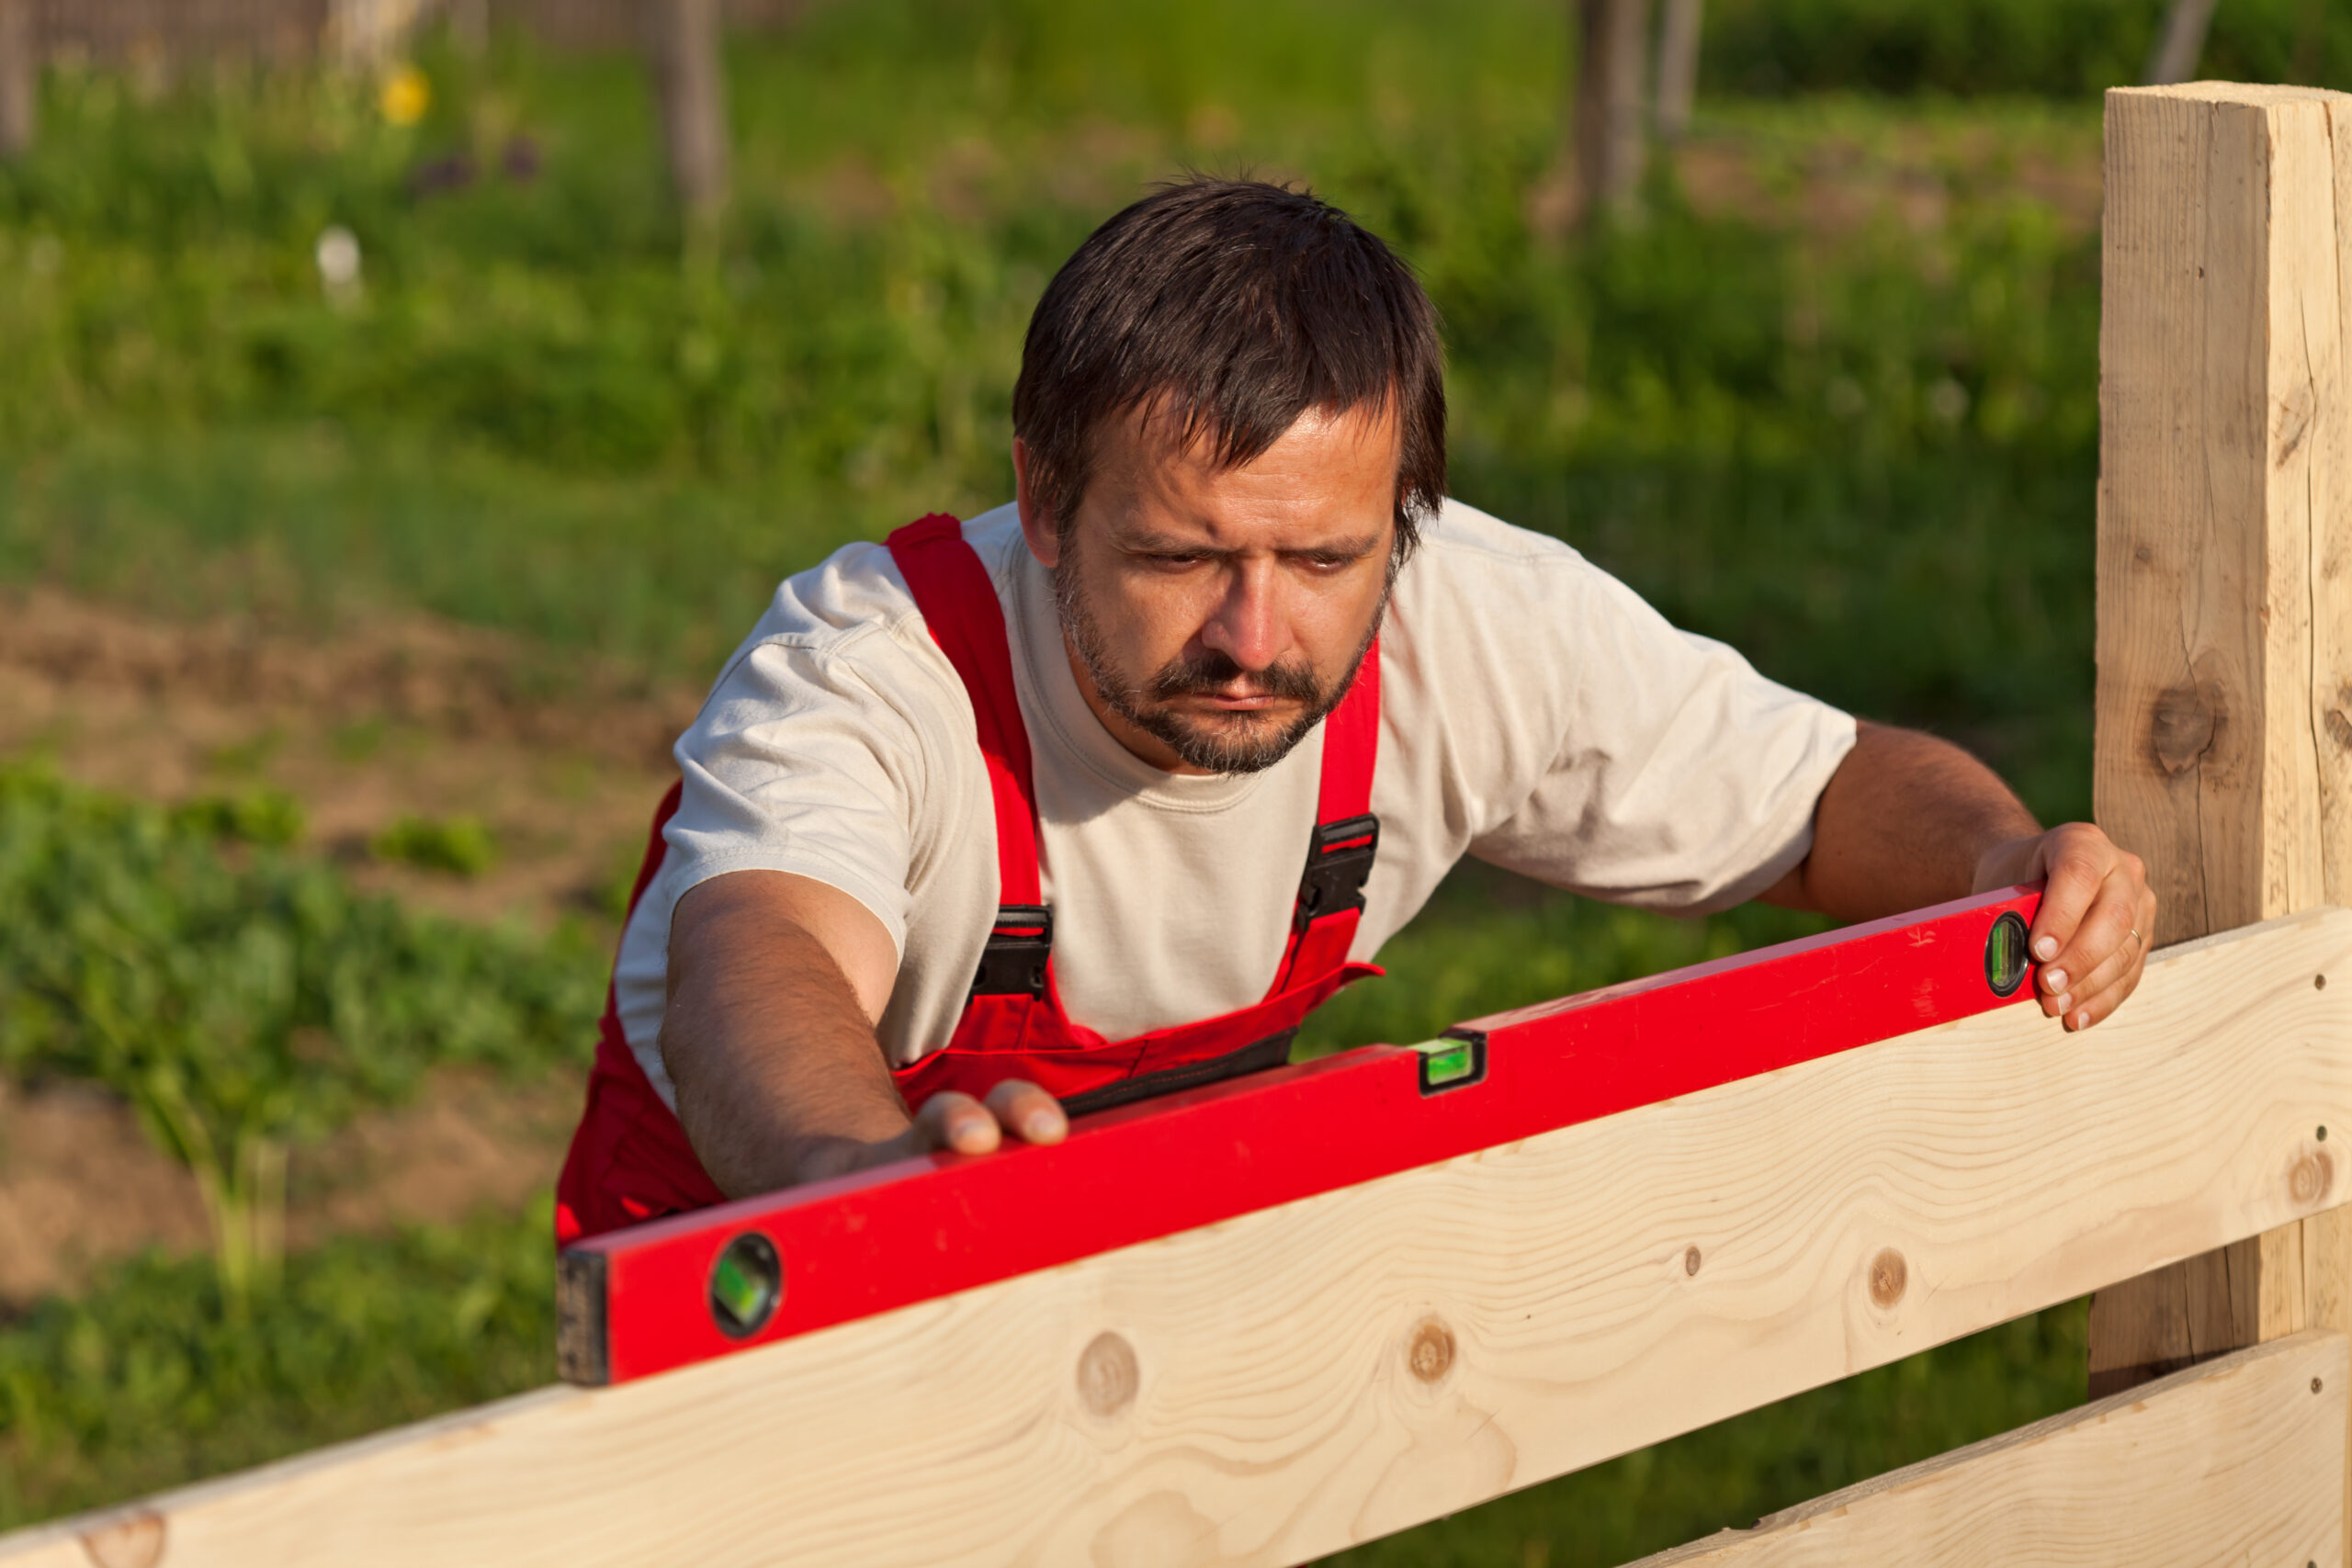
(1005, 819)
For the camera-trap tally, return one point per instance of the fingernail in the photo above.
(2055, 979)
(2046, 949)
(2064, 1002)
(1038, 1125)
(2083, 1019)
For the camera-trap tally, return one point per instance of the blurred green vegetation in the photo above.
(244, 998)
(1861, 448)
(150, 1379)
(462, 846)
(1834, 399)
(2058, 47)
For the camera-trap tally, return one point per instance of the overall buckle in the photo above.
(1014, 962)
(1339, 861)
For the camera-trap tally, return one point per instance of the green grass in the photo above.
(241, 996)
(459, 846)
(147, 1381)
(1866, 456)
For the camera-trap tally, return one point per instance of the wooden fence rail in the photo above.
(1274, 1386)
(1296, 1380)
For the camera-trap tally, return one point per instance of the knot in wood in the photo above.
(2308, 1182)
(1430, 1353)
(133, 1541)
(1691, 1261)
(2338, 727)
(2181, 727)
(1890, 1277)
(1107, 1374)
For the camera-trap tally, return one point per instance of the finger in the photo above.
(952, 1121)
(2093, 996)
(2075, 875)
(1024, 1109)
(2105, 931)
(2099, 993)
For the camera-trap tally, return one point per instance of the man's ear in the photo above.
(1037, 523)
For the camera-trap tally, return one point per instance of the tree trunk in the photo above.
(470, 26)
(1678, 66)
(1606, 123)
(19, 78)
(692, 87)
(2182, 39)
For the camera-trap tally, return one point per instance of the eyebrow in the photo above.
(1148, 543)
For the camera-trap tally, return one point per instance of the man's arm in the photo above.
(1909, 820)
(775, 983)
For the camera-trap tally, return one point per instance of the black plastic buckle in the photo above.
(1014, 962)
(1337, 863)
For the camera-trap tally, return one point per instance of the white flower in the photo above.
(338, 258)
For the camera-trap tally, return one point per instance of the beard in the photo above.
(1219, 743)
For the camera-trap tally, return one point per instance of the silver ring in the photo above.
(2138, 938)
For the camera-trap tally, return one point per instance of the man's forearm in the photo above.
(776, 1063)
(1904, 823)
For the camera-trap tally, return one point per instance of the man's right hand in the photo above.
(949, 1122)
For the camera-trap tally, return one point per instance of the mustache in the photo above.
(1209, 673)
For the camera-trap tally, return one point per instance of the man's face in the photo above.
(1213, 614)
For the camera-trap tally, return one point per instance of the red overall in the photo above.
(631, 1161)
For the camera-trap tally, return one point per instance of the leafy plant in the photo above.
(245, 1002)
(459, 845)
(154, 1378)
(252, 816)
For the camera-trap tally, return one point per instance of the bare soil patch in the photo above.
(397, 717)
(412, 717)
(80, 1182)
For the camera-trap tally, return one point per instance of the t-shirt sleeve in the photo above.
(1678, 777)
(799, 763)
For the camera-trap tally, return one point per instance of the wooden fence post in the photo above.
(2224, 710)
(691, 82)
(2173, 57)
(1606, 126)
(19, 77)
(1678, 66)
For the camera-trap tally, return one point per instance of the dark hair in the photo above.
(1242, 305)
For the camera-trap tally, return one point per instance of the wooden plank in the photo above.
(2236, 1461)
(2223, 754)
(1283, 1383)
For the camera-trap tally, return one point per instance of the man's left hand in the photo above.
(2091, 936)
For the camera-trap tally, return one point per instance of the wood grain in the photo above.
(1300, 1379)
(2221, 549)
(2224, 753)
(2236, 1461)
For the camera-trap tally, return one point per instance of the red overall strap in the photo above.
(1351, 745)
(1350, 751)
(629, 1159)
(959, 603)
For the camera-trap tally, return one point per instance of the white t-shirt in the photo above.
(1534, 713)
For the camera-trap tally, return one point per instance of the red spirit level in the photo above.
(685, 1289)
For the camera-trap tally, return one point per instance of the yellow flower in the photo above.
(405, 95)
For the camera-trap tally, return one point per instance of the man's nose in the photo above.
(1248, 626)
